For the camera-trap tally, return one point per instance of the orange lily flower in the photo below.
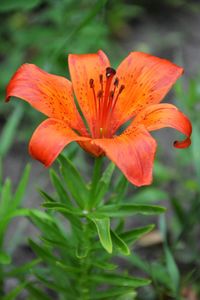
(107, 99)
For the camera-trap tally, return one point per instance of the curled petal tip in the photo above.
(182, 144)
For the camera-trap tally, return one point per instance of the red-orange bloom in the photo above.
(107, 99)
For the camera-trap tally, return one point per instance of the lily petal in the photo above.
(50, 94)
(49, 139)
(157, 116)
(133, 152)
(84, 67)
(147, 79)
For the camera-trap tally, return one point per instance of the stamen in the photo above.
(105, 100)
(100, 94)
(122, 87)
(91, 82)
(111, 94)
(116, 82)
(101, 78)
(110, 72)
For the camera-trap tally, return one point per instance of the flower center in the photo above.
(105, 101)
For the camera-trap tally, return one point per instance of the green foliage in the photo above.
(120, 244)
(9, 203)
(103, 229)
(125, 210)
(9, 208)
(73, 180)
(77, 245)
(9, 131)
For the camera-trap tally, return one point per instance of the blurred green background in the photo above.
(44, 32)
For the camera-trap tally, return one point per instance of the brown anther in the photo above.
(99, 94)
(110, 72)
(91, 82)
(122, 87)
(116, 82)
(111, 94)
(101, 78)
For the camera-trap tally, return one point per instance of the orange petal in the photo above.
(133, 152)
(147, 79)
(158, 116)
(49, 139)
(91, 148)
(50, 94)
(84, 67)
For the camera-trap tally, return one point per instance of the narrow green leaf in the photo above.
(170, 261)
(69, 214)
(119, 243)
(130, 295)
(159, 274)
(105, 266)
(42, 252)
(50, 230)
(5, 205)
(9, 130)
(25, 212)
(120, 189)
(12, 295)
(178, 210)
(74, 181)
(26, 268)
(125, 210)
(9, 5)
(57, 183)
(19, 194)
(134, 234)
(47, 197)
(103, 229)
(120, 280)
(52, 285)
(62, 207)
(103, 184)
(120, 226)
(116, 292)
(141, 264)
(172, 270)
(67, 268)
(57, 283)
(56, 243)
(5, 259)
(37, 293)
(37, 213)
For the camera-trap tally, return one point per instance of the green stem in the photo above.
(85, 264)
(95, 179)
